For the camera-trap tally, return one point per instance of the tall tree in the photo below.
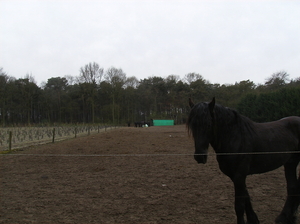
(117, 79)
(159, 92)
(200, 89)
(192, 77)
(55, 89)
(91, 74)
(5, 80)
(130, 102)
(277, 80)
(26, 100)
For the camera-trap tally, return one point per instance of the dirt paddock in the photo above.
(127, 175)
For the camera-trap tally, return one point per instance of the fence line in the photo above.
(149, 154)
(12, 138)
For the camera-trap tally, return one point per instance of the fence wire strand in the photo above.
(149, 154)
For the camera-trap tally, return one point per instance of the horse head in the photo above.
(200, 125)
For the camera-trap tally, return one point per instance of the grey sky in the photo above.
(224, 41)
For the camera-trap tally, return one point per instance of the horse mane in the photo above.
(230, 121)
(227, 121)
(194, 121)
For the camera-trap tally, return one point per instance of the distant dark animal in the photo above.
(138, 124)
(244, 147)
(141, 123)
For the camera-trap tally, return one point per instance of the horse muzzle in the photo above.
(200, 158)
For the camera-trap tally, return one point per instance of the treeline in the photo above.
(271, 106)
(98, 96)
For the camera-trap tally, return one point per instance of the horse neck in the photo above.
(226, 127)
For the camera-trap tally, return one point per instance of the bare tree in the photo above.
(91, 73)
(71, 80)
(117, 79)
(30, 78)
(277, 80)
(192, 77)
(173, 78)
(132, 82)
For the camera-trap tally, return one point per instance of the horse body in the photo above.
(277, 138)
(268, 147)
(244, 147)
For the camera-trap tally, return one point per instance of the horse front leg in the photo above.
(288, 214)
(243, 203)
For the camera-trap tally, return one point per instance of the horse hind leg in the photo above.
(288, 213)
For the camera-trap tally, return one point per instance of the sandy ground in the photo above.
(126, 175)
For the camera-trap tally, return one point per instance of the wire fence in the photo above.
(152, 155)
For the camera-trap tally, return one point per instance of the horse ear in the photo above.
(211, 105)
(191, 103)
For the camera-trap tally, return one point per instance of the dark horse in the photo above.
(244, 147)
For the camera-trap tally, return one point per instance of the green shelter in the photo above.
(163, 122)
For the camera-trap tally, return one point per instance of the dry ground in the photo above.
(127, 175)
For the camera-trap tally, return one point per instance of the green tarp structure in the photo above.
(163, 122)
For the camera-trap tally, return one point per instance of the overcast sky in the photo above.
(224, 41)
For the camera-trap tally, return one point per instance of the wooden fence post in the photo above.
(10, 137)
(53, 137)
